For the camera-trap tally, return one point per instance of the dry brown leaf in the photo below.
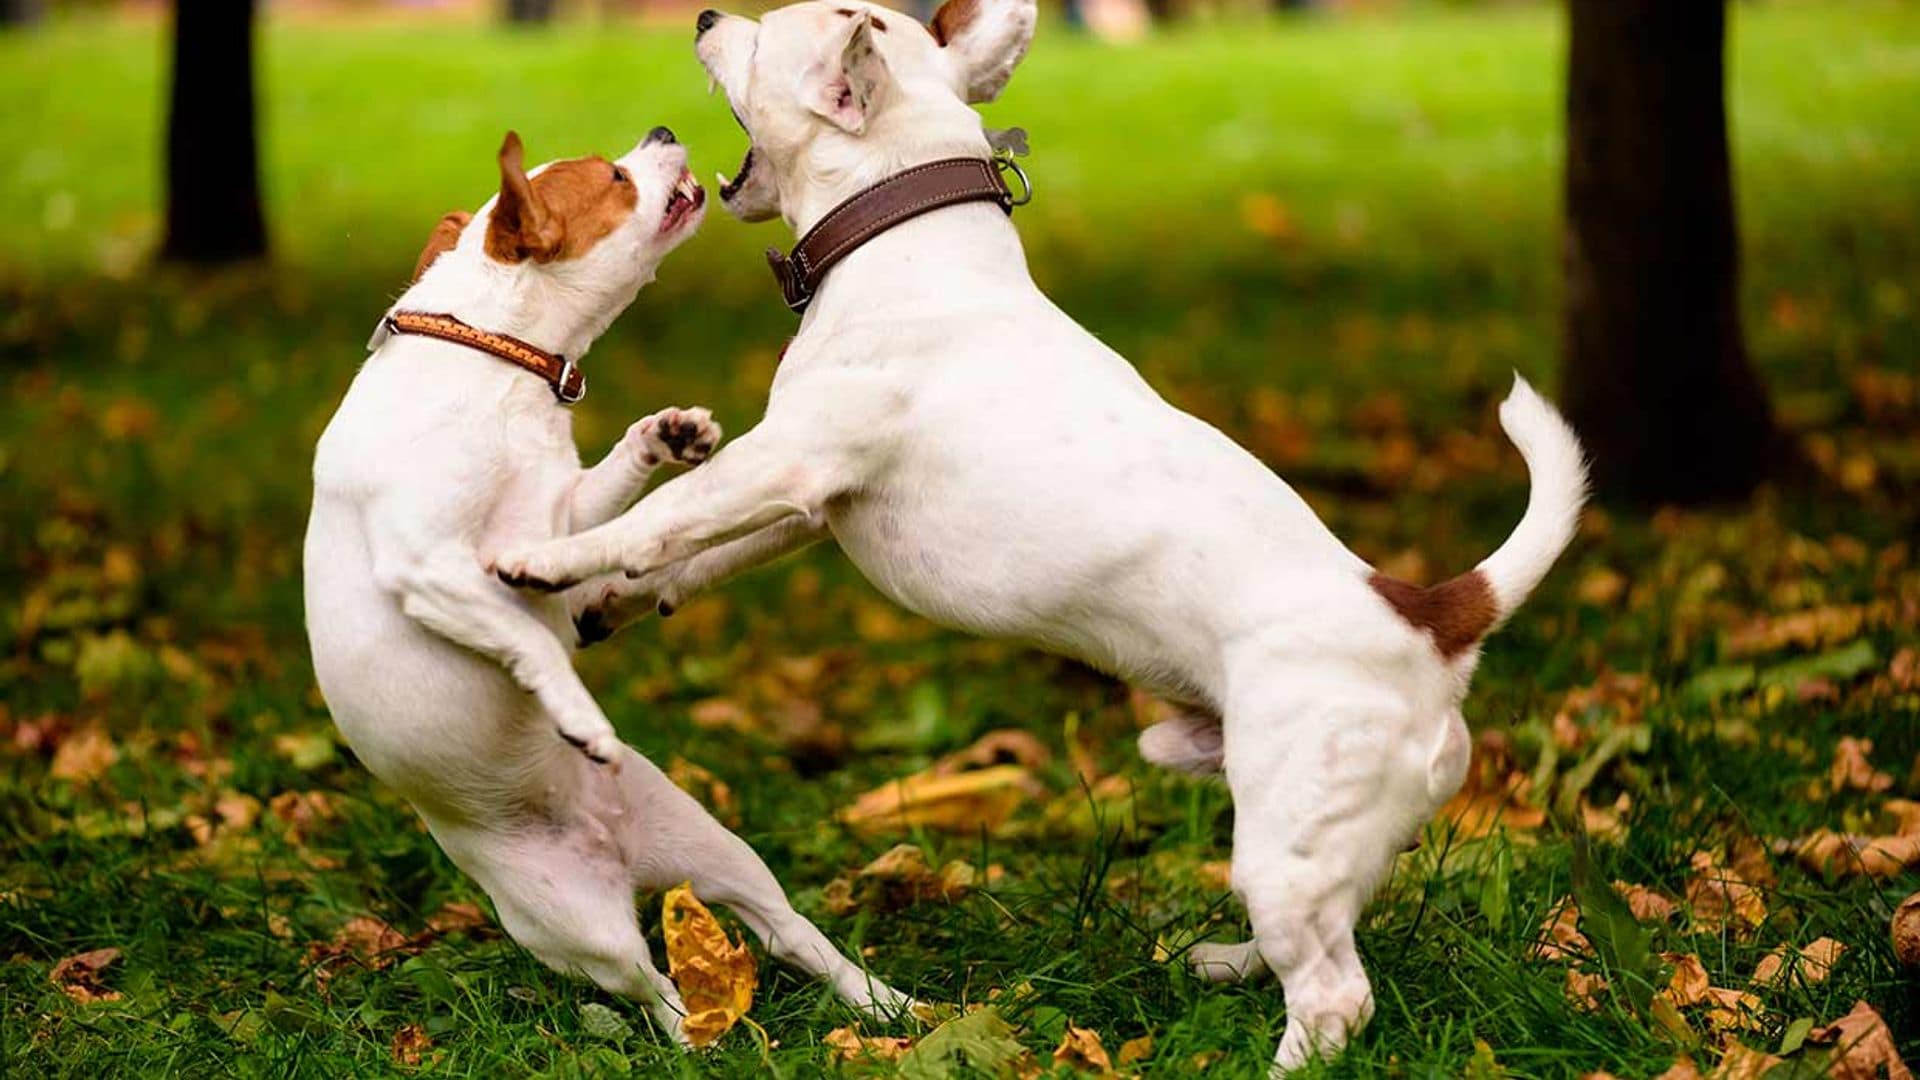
(370, 939)
(1810, 965)
(1906, 931)
(1080, 1049)
(1583, 990)
(1862, 1046)
(84, 756)
(1734, 1010)
(849, 1045)
(1851, 769)
(1606, 823)
(899, 879)
(1005, 746)
(1135, 1049)
(1560, 937)
(1744, 1063)
(1495, 792)
(715, 974)
(1689, 984)
(700, 782)
(1807, 629)
(1827, 852)
(301, 813)
(963, 802)
(455, 917)
(1681, 1069)
(721, 713)
(1646, 904)
(1720, 897)
(78, 976)
(410, 1044)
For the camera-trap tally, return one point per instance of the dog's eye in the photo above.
(619, 175)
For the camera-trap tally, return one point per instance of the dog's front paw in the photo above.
(682, 436)
(599, 743)
(524, 568)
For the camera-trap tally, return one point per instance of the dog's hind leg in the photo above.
(565, 894)
(676, 840)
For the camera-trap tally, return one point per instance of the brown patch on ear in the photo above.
(1456, 613)
(584, 202)
(445, 235)
(953, 18)
(520, 227)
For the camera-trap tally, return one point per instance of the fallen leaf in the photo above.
(1494, 795)
(1081, 1050)
(1824, 851)
(1689, 984)
(1583, 990)
(1744, 1063)
(962, 802)
(714, 973)
(1810, 966)
(1646, 904)
(84, 756)
(1862, 1046)
(307, 750)
(1851, 771)
(78, 976)
(1560, 937)
(410, 1044)
(1719, 897)
(979, 1043)
(849, 1045)
(456, 917)
(1906, 931)
(700, 782)
(1004, 746)
(1681, 1069)
(899, 879)
(1136, 1049)
(1734, 1010)
(1601, 587)
(301, 813)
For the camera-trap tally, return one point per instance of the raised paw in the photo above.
(683, 436)
(600, 745)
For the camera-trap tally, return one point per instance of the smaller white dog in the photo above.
(450, 686)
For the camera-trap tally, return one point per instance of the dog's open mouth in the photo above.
(686, 198)
(730, 188)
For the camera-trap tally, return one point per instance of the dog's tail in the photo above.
(1460, 612)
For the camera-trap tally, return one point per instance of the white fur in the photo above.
(990, 464)
(448, 685)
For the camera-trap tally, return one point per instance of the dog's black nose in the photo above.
(660, 135)
(704, 21)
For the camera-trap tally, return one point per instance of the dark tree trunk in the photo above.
(213, 171)
(529, 11)
(20, 12)
(1657, 378)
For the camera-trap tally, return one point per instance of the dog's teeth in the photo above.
(712, 84)
(721, 179)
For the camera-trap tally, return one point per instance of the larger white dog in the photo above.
(449, 686)
(989, 463)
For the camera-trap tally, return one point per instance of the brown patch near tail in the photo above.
(445, 235)
(952, 19)
(1456, 613)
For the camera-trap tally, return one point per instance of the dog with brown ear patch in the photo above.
(453, 442)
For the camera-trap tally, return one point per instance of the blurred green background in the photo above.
(1335, 235)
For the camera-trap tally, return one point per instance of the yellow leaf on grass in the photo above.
(1560, 937)
(84, 755)
(1827, 852)
(715, 974)
(1689, 984)
(849, 1045)
(1851, 769)
(1721, 896)
(1862, 1047)
(1646, 904)
(1583, 989)
(1135, 1049)
(1081, 1049)
(1744, 1063)
(410, 1044)
(962, 802)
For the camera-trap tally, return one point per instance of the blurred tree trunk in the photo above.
(21, 12)
(1657, 378)
(529, 11)
(213, 171)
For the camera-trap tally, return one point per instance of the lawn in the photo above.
(1335, 238)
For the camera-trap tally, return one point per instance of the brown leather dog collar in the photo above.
(568, 384)
(900, 197)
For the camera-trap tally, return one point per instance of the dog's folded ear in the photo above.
(520, 227)
(445, 235)
(851, 89)
(986, 40)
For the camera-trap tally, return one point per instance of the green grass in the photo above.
(157, 426)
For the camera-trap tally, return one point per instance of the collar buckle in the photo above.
(571, 384)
